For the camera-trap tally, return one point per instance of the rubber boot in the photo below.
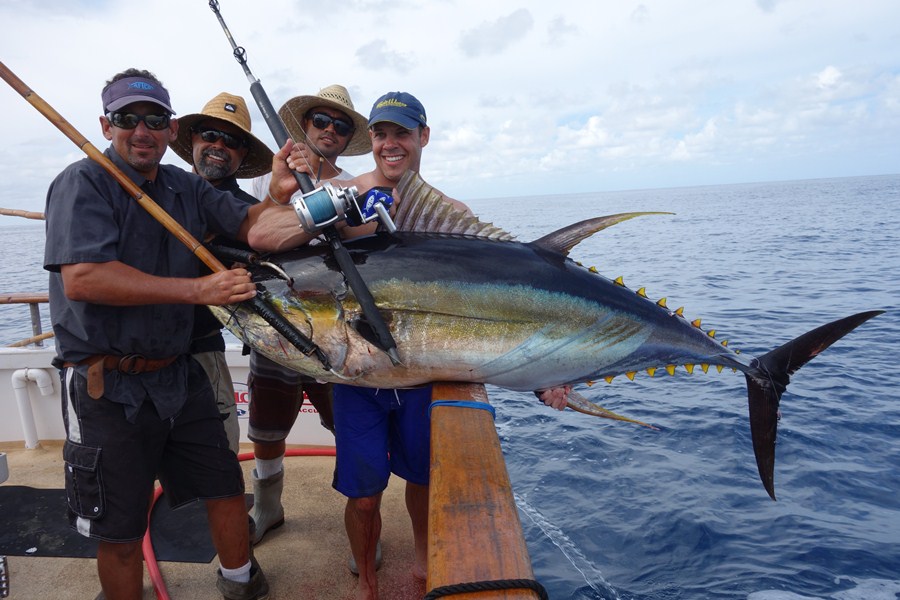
(255, 589)
(267, 512)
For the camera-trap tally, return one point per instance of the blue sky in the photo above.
(524, 98)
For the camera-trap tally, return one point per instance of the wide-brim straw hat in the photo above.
(231, 109)
(333, 96)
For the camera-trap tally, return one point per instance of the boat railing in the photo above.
(476, 548)
(33, 300)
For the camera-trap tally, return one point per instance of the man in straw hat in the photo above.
(325, 126)
(219, 145)
(135, 405)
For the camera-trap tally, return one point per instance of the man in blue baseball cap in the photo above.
(401, 108)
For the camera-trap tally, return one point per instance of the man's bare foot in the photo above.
(419, 572)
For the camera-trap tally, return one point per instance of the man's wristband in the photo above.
(272, 198)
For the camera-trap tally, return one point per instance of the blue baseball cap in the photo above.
(123, 92)
(400, 108)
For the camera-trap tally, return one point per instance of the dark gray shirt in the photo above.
(90, 218)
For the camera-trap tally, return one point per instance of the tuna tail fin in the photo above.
(769, 377)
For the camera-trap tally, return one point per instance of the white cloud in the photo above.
(521, 97)
(494, 37)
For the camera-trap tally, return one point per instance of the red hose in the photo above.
(159, 586)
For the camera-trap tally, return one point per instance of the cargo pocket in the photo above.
(84, 486)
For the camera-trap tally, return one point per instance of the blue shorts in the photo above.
(379, 432)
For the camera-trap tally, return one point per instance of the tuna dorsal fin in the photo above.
(424, 210)
(563, 240)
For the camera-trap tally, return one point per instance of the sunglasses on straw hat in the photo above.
(211, 135)
(322, 121)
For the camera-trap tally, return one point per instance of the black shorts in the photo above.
(111, 464)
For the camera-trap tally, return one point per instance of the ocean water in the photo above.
(615, 511)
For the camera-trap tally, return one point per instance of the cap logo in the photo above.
(230, 107)
(391, 102)
(140, 85)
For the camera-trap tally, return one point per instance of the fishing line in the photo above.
(373, 317)
(566, 546)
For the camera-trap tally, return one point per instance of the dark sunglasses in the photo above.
(214, 135)
(131, 120)
(322, 121)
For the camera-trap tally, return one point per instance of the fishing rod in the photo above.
(270, 315)
(320, 208)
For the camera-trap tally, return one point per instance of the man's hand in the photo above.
(304, 160)
(226, 287)
(283, 184)
(556, 397)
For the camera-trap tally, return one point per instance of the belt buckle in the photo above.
(132, 364)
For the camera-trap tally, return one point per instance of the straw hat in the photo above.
(231, 109)
(333, 96)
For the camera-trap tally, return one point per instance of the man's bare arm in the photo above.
(117, 284)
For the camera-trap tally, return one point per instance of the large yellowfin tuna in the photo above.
(465, 302)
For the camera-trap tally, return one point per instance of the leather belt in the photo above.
(130, 364)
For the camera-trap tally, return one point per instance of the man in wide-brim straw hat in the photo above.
(224, 127)
(333, 97)
(324, 126)
(218, 143)
(329, 126)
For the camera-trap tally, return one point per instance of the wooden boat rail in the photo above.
(33, 300)
(474, 532)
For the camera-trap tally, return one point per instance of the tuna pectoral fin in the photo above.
(579, 403)
(769, 377)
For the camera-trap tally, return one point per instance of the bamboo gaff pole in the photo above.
(272, 317)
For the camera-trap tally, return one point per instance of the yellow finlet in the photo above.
(670, 369)
(689, 368)
(705, 367)
(719, 368)
(724, 342)
(662, 302)
(642, 292)
(679, 311)
(593, 269)
(609, 378)
(619, 281)
(651, 371)
(711, 333)
(696, 323)
(630, 375)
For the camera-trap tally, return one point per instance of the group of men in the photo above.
(142, 360)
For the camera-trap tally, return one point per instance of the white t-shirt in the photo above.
(260, 185)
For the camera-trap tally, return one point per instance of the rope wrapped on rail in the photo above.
(492, 585)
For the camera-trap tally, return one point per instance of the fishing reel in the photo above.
(327, 205)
